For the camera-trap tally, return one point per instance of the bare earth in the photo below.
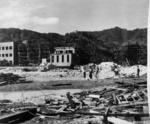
(42, 87)
(64, 80)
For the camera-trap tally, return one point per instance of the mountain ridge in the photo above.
(95, 46)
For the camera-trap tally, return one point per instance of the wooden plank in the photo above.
(18, 116)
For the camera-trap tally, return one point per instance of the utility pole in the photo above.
(27, 45)
(39, 46)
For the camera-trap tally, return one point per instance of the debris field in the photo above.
(124, 102)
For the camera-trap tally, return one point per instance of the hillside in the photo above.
(96, 46)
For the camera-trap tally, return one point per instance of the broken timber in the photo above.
(18, 116)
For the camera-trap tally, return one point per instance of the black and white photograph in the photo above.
(74, 62)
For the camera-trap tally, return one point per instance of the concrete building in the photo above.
(8, 53)
(63, 57)
(31, 53)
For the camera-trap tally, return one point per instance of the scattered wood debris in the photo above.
(123, 104)
(11, 78)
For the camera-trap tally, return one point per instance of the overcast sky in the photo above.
(62, 16)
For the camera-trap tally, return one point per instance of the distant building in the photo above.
(31, 53)
(63, 57)
(22, 54)
(8, 53)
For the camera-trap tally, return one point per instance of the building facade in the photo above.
(22, 54)
(32, 52)
(63, 57)
(8, 53)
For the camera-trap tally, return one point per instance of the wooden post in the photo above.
(105, 117)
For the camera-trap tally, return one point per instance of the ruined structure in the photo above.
(32, 53)
(63, 57)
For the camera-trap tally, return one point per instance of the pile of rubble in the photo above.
(18, 70)
(10, 78)
(132, 71)
(11, 70)
(124, 103)
(15, 112)
(107, 70)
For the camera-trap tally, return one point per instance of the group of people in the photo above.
(89, 71)
(117, 71)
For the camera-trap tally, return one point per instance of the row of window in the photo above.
(62, 59)
(6, 48)
(67, 51)
(6, 55)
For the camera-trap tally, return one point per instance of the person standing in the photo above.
(116, 70)
(90, 72)
(84, 72)
(97, 71)
(138, 72)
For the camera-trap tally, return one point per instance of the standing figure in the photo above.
(90, 73)
(138, 72)
(84, 72)
(116, 70)
(97, 71)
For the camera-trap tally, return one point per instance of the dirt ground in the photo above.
(49, 83)
(45, 86)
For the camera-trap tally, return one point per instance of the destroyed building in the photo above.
(63, 57)
(32, 52)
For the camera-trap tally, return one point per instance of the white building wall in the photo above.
(60, 63)
(7, 51)
(63, 51)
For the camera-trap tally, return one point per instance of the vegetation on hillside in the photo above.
(113, 44)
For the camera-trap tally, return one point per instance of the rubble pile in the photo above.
(73, 73)
(53, 72)
(11, 70)
(46, 67)
(10, 78)
(16, 112)
(18, 70)
(85, 120)
(107, 70)
(125, 102)
(67, 72)
(132, 71)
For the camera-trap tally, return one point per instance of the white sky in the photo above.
(62, 16)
